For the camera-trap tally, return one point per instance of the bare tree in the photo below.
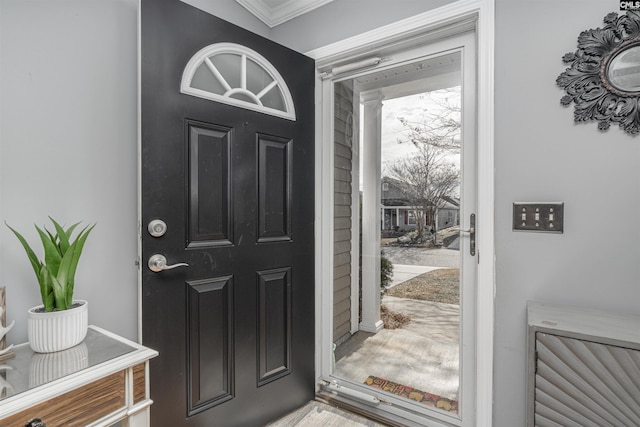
(425, 178)
(439, 125)
(428, 177)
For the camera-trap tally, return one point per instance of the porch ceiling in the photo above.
(275, 12)
(437, 72)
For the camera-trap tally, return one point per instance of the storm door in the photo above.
(402, 298)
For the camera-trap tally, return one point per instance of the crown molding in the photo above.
(273, 16)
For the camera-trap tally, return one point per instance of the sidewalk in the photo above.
(403, 272)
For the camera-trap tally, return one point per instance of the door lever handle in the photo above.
(471, 231)
(158, 263)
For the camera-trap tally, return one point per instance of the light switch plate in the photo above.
(542, 217)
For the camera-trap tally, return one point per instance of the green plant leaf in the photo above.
(70, 230)
(52, 256)
(35, 262)
(55, 240)
(47, 288)
(49, 301)
(57, 289)
(69, 263)
(59, 294)
(63, 235)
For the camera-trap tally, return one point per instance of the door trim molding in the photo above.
(482, 12)
(139, 167)
(486, 204)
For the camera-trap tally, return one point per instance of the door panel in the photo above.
(274, 326)
(273, 187)
(234, 328)
(209, 185)
(210, 312)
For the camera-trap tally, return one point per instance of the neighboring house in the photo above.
(398, 213)
(449, 214)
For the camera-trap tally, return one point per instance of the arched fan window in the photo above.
(236, 75)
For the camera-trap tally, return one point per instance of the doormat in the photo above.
(423, 397)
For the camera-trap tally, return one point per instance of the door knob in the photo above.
(158, 263)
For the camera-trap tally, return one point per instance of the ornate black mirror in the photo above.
(604, 77)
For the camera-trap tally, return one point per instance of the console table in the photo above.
(100, 382)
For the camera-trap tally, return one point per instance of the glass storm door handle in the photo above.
(158, 263)
(472, 234)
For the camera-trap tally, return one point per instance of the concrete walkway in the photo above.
(404, 272)
(422, 256)
(423, 354)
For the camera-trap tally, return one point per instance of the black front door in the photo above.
(235, 188)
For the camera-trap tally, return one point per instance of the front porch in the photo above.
(422, 355)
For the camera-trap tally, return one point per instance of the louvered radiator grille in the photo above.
(582, 384)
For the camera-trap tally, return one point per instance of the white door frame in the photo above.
(438, 22)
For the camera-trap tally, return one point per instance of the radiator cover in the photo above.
(584, 368)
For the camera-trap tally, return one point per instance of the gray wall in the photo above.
(68, 96)
(68, 148)
(345, 18)
(541, 155)
(330, 23)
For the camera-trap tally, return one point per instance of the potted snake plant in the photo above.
(60, 322)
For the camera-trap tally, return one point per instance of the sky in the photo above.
(411, 108)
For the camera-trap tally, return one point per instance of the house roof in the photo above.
(393, 195)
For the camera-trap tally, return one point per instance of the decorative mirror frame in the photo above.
(586, 82)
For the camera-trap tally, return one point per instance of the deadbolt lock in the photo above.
(157, 228)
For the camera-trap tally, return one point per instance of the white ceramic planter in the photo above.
(57, 330)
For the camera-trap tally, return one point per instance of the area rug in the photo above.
(423, 397)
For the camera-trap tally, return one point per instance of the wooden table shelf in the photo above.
(99, 382)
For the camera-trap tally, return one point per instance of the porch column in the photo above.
(371, 191)
(397, 217)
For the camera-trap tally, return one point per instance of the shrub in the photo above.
(386, 271)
